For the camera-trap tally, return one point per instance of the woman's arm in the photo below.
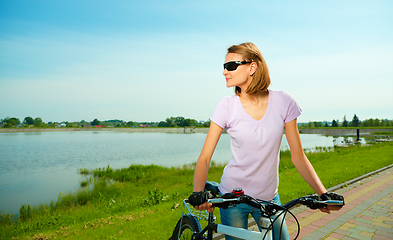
(203, 163)
(300, 160)
(302, 163)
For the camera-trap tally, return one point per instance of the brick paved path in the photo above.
(368, 213)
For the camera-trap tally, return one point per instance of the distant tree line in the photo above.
(15, 122)
(38, 123)
(177, 122)
(182, 122)
(354, 123)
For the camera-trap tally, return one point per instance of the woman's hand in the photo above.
(331, 196)
(329, 208)
(206, 206)
(199, 200)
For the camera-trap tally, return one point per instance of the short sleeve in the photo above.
(293, 109)
(221, 113)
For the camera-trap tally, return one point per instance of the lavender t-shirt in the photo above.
(255, 145)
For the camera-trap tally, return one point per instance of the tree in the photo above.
(190, 122)
(13, 121)
(8, 125)
(345, 122)
(28, 121)
(355, 121)
(131, 124)
(38, 122)
(377, 122)
(95, 122)
(170, 122)
(179, 121)
(334, 123)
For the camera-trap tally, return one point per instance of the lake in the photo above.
(36, 166)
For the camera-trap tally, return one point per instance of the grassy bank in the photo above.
(144, 202)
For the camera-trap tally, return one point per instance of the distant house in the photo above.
(86, 125)
(99, 126)
(62, 125)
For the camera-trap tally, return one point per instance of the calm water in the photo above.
(36, 167)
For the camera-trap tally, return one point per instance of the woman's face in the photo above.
(239, 77)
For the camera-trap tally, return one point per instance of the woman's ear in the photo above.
(253, 68)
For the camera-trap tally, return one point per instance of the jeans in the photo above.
(237, 216)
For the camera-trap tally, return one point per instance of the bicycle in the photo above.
(189, 227)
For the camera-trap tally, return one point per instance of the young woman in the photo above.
(255, 118)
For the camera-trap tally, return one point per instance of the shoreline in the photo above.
(321, 131)
(131, 130)
(343, 132)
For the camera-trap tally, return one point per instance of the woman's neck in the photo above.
(255, 98)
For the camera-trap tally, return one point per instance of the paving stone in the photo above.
(348, 238)
(368, 213)
(334, 224)
(367, 234)
(382, 233)
(336, 235)
(382, 224)
(364, 224)
(342, 232)
(363, 220)
(379, 237)
(371, 230)
(315, 235)
(360, 237)
(389, 230)
(354, 230)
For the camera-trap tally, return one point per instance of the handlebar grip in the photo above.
(222, 200)
(332, 202)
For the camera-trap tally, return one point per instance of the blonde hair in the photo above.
(261, 79)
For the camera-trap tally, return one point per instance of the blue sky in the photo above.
(149, 60)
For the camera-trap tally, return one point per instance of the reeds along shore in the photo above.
(144, 202)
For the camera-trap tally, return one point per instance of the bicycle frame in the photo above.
(227, 230)
(270, 213)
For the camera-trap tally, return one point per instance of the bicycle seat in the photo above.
(212, 187)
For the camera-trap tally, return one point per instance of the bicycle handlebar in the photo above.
(267, 208)
(311, 201)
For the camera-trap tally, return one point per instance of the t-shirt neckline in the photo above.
(248, 115)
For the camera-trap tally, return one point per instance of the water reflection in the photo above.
(36, 166)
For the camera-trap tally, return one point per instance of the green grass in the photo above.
(361, 127)
(388, 133)
(145, 202)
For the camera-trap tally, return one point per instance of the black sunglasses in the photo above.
(232, 66)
